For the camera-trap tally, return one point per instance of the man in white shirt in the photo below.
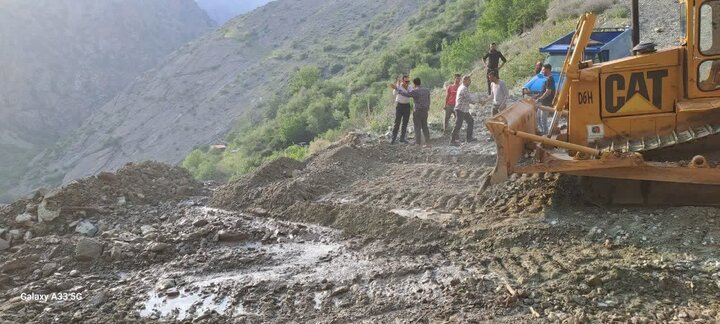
(499, 92)
(462, 110)
(402, 109)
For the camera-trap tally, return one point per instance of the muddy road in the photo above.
(362, 232)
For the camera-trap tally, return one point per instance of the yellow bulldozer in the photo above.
(641, 130)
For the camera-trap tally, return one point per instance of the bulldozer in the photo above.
(640, 130)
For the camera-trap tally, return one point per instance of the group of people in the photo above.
(458, 100)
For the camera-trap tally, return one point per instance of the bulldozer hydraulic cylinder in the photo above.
(544, 140)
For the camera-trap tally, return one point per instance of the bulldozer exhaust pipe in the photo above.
(635, 8)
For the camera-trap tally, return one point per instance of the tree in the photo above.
(306, 77)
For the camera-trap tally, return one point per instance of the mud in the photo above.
(361, 232)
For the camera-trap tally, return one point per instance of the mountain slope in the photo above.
(223, 10)
(193, 98)
(63, 59)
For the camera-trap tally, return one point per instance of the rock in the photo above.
(46, 214)
(594, 281)
(25, 219)
(85, 227)
(709, 313)
(88, 249)
(340, 291)
(259, 211)
(74, 273)
(147, 229)
(106, 176)
(659, 30)
(129, 237)
(158, 246)
(118, 251)
(49, 268)
(121, 201)
(28, 236)
(165, 284)
(4, 245)
(31, 208)
(97, 300)
(172, 292)
(200, 222)
(18, 263)
(15, 235)
(230, 236)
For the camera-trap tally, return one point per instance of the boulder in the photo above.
(231, 236)
(47, 214)
(49, 268)
(85, 227)
(4, 245)
(158, 246)
(25, 219)
(15, 235)
(88, 249)
(165, 284)
(147, 229)
(18, 263)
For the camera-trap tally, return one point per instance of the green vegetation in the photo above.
(322, 102)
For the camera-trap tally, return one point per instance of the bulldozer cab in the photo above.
(706, 52)
(650, 117)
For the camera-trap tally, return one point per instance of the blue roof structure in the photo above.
(598, 40)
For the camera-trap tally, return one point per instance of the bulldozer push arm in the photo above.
(648, 122)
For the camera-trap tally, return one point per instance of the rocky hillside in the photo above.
(223, 10)
(63, 59)
(193, 98)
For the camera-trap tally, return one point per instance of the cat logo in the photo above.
(620, 94)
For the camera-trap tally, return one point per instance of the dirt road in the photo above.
(364, 232)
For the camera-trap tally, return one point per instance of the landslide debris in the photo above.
(70, 207)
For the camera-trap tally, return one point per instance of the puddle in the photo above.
(426, 214)
(289, 262)
(182, 305)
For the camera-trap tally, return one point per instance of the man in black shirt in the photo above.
(546, 98)
(492, 62)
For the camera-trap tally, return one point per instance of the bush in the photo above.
(430, 77)
(318, 145)
(563, 9)
(305, 77)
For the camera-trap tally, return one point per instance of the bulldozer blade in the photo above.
(520, 116)
(623, 192)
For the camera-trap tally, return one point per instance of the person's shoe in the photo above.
(427, 146)
(454, 143)
(392, 142)
(403, 141)
(472, 140)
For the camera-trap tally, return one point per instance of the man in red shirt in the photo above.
(450, 101)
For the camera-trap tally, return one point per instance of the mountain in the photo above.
(63, 59)
(194, 97)
(223, 10)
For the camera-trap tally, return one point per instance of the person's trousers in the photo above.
(449, 111)
(497, 108)
(420, 122)
(542, 121)
(402, 115)
(487, 77)
(459, 118)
